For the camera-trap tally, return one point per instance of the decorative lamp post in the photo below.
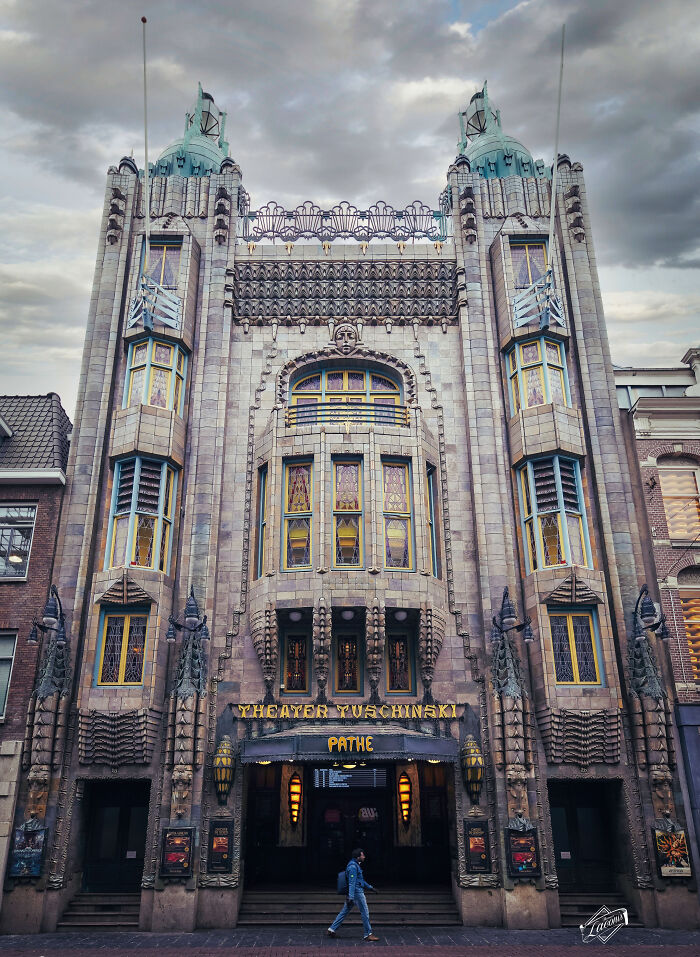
(294, 791)
(193, 625)
(224, 765)
(645, 617)
(473, 770)
(405, 798)
(53, 621)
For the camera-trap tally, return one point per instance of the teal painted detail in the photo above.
(489, 151)
(202, 149)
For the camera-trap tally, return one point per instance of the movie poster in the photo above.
(27, 851)
(477, 849)
(522, 853)
(220, 847)
(176, 859)
(672, 857)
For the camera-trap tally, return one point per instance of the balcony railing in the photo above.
(352, 413)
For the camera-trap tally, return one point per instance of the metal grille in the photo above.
(295, 676)
(399, 672)
(347, 663)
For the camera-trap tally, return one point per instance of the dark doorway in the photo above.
(584, 841)
(117, 818)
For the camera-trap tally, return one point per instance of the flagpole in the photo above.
(555, 164)
(147, 191)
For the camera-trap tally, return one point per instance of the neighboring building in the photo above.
(663, 440)
(353, 438)
(34, 434)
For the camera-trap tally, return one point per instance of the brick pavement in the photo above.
(299, 941)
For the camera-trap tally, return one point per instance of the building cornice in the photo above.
(32, 477)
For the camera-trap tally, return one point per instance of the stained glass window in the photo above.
(398, 538)
(347, 663)
(573, 647)
(16, 533)
(399, 677)
(690, 605)
(529, 263)
(348, 396)
(164, 264)
(680, 488)
(536, 373)
(347, 513)
(142, 514)
(298, 499)
(261, 545)
(123, 648)
(155, 375)
(433, 521)
(296, 663)
(554, 522)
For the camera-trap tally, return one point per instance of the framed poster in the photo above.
(220, 847)
(522, 853)
(27, 851)
(671, 849)
(477, 851)
(176, 854)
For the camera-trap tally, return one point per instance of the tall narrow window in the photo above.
(347, 514)
(143, 504)
(123, 648)
(537, 374)
(690, 606)
(554, 523)
(8, 643)
(529, 263)
(164, 263)
(347, 670)
(16, 533)
(680, 488)
(433, 522)
(401, 635)
(296, 662)
(398, 508)
(298, 503)
(155, 375)
(574, 648)
(261, 543)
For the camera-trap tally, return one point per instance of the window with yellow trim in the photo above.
(347, 514)
(164, 263)
(433, 521)
(537, 374)
(143, 506)
(574, 648)
(155, 375)
(346, 395)
(298, 518)
(690, 607)
(554, 525)
(529, 263)
(397, 498)
(680, 488)
(122, 649)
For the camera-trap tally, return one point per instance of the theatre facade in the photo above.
(348, 557)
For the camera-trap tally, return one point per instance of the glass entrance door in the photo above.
(117, 818)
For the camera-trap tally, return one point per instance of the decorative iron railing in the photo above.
(345, 221)
(352, 413)
(538, 301)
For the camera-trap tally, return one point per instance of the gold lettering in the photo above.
(272, 711)
(369, 743)
(382, 710)
(308, 711)
(454, 710)
(370, 711)
(343, 709)
(342, 744)
(244, 709)
(360, 744)
(296, 708)
(443, 711)
(332, 743)
(430, 711)
(416, 711)
(396, 711)
(321, 710)
(257, 711)
(357, 711)
(284, 711)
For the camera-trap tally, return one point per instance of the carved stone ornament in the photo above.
(511, 718)
(650, 710)
(345, 338)
(661, 780)
(516, 787)
(39, 778)
(375, 647)
(266, 644)
(321, 647)
(181, 790)
(431, 634)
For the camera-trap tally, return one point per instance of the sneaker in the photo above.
(370, 937)
(331, 933)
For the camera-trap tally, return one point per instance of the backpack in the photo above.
(343, 882)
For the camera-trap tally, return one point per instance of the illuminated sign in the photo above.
(365, 712)
(351, 742)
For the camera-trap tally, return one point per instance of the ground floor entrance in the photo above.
(585, 832)
(115, 835)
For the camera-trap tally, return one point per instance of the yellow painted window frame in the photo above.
(411, 664)
(141, 514)
(354, 513)
(693, 643)
(290, 516)
(123, 651)
(394, 514)
(286, 635)
(116, 519)
(528, 247)
(570, 615)
(540, 516)
(163, 246)
(670, 499)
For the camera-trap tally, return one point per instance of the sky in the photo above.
(354, 100)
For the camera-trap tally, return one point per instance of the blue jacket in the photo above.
(355, 878)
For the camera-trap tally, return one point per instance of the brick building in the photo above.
(34, 433)
(349, 557)
(662, 419)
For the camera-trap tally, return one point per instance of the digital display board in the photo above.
(349, 778)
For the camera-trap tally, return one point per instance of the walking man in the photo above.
(356, 895)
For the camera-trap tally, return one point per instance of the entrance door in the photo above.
(117, 818)
(583, 838)
(342, 822)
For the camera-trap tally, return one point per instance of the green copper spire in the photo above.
(202, 149)
(488, 150)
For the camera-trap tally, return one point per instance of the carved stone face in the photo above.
(662, 790)
(182, 785)
(516, 783)
(346, 338)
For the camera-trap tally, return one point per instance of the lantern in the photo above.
(405, 797)
(224, 767)
(294, 798)
(473, 769)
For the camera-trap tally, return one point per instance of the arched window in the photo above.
(342, 395)
(680, 489)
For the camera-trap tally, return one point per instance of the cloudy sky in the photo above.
(346, 99)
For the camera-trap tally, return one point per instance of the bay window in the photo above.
(143, 504)
(537, 374)
(155, 375)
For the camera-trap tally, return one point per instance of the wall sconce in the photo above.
(294, 799)
(405, 798)
(473, 770)
(224, 765)
(347, 614)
